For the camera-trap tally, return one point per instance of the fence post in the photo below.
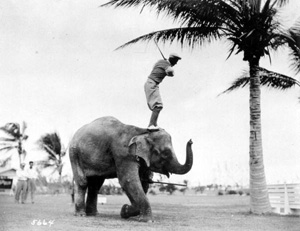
(287, 209)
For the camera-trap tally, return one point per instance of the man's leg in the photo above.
(154, 102)
(24, 191)
(32, 192)
(18, 191)
(154, 118)
(31, 188)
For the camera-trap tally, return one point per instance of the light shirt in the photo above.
(21, 174)
(161, 69)
(32, 174)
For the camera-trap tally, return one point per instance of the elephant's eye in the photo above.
(166, 154)
(155, 151)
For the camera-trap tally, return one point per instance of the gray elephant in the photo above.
(107, 148)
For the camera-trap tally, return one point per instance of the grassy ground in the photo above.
(178, 212)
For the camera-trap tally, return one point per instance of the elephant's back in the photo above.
(104, 131)
(103, 126)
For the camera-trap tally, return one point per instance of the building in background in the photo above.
(7, 180)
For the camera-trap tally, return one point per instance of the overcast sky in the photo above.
(59, 71)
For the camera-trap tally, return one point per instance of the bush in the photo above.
(171, 188)
(234, 192)
(246, 191)
(152, 192)
(110, 190)
(221, 192)
(231, 192)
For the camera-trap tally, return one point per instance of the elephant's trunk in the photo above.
(176, 168)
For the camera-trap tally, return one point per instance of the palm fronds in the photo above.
(8, 148)
(188, 35)
(14, 131)
(281, 2)
(294, 44)
(4, 161)
(16, 136)
(7, 139)
(202, 18)
(249, 26)
(51, 144)
(267, 78)
(11, 129)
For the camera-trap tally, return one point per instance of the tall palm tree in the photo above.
(251, 27)
(51, 143)
(16, 136)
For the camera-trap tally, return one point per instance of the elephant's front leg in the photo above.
(131, 184)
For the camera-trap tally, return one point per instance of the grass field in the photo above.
(177, 212)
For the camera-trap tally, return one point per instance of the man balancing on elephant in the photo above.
(107, 148)
(161, 69)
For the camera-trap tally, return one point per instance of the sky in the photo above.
(59, 70)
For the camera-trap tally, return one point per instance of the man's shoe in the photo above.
(153, 128)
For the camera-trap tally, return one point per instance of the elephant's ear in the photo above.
(139, 146)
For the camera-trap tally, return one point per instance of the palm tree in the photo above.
(16, 136)
(252, 27)
(51, 143)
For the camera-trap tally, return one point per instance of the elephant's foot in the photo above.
(93, 213)
(146, 219)
(79, 211)
(146, 216)
(129, 211)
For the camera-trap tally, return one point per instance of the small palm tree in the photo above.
(51, 143)
(15, 139)
(252, 27)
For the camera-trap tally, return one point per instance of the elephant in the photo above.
(106, 148)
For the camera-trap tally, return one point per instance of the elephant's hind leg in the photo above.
(80, 202)
(94, 184)
(80, 179)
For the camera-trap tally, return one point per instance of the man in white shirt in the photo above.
(22, 177)
(161, 69)
(32, 175)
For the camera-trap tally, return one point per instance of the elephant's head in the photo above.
(156, 150)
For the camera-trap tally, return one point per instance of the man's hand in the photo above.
(170, 71)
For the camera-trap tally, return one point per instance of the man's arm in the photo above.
(18, 174)
(170, 71)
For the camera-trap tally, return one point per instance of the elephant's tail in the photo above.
(78, 173)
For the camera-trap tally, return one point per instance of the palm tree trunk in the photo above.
(59, 167)
(20, 151)
(259, 197)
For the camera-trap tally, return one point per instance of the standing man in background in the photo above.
(22, 177)
(32, 175)
(161, 69)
